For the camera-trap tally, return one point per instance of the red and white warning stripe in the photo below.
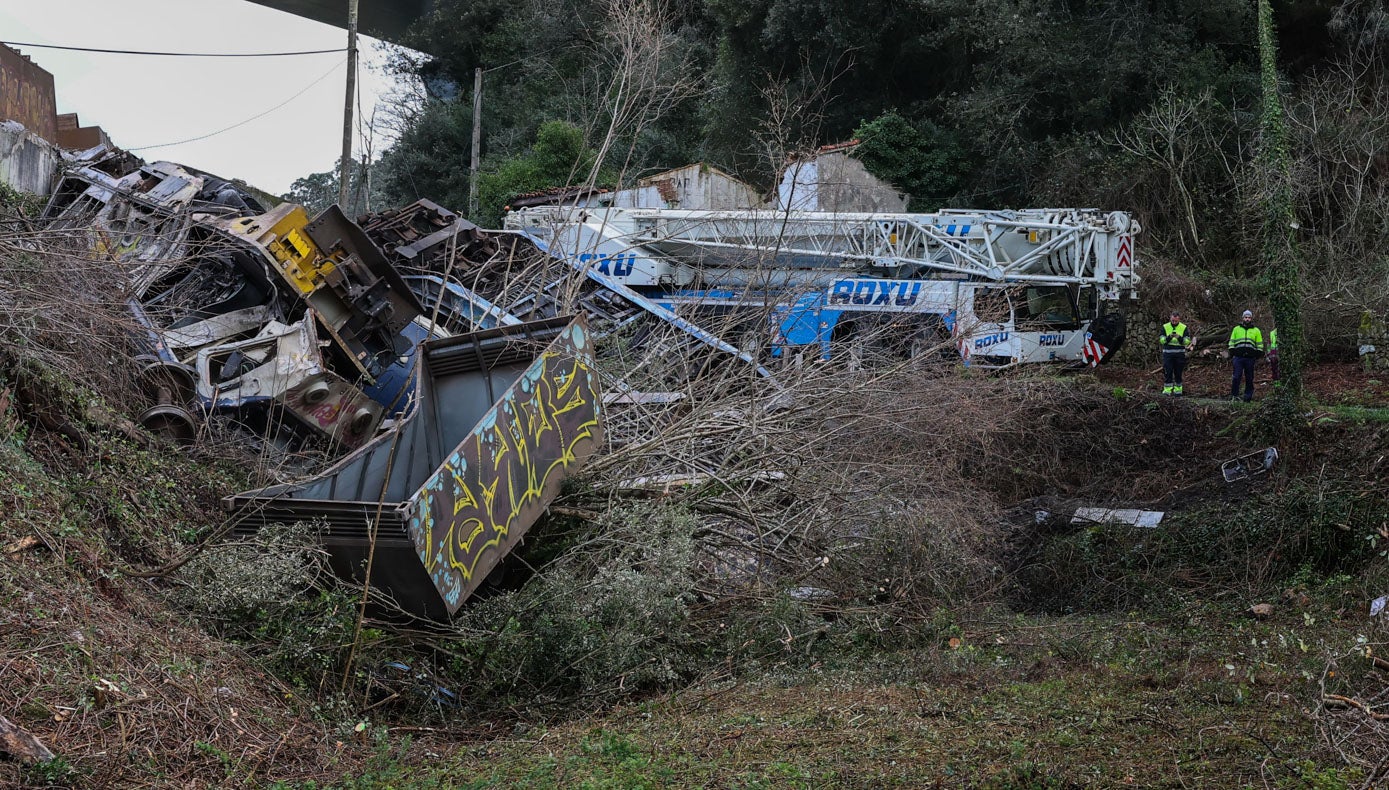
(1091, 351)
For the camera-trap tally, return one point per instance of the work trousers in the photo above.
(1173, 363)
(1244, 366)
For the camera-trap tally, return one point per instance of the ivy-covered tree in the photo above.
(1278, 236)
(923, 160)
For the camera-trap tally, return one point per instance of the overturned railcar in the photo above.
(500, 418)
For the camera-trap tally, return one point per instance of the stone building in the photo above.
(832, 180)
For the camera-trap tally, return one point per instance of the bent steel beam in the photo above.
(498, 424)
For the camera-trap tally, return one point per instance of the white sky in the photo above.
(147, 101)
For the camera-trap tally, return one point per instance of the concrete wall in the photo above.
(26, 94)
(695, 187)
(836, 182)
(27, 161)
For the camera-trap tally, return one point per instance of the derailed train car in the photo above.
(427, 510)
(304, 329)
(265, 314)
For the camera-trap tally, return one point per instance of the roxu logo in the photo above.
(990, 340)
(875, 293)
(619, 265)
(1051, 340)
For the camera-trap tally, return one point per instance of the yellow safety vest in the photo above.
(1246, 342)
(1174, 337)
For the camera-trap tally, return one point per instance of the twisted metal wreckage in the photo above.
(303, 329)
(459, 418)
(443, 361)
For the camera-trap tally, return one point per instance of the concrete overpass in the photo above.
(383, 19)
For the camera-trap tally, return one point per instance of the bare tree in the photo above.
(649, 73)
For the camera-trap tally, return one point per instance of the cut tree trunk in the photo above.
(20, 745)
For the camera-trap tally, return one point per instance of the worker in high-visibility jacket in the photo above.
(1246, 346)
(1175, 342)
(1273, 351)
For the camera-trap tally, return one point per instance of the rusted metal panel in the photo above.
(501, 418)
(26, 94)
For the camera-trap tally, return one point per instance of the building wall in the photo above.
(846, 185)
(799, 187)
(695, 187)
(26, 94)
(27, 161)
(836, 182)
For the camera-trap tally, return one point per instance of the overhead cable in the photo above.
(175, 54)
(257, 116)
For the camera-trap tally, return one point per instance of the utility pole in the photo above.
(477, 142)
(345, 167)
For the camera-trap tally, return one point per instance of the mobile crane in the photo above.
(1004, 287)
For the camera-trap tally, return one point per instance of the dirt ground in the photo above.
(1331, 383)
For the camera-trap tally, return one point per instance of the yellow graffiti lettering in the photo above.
(531, 426)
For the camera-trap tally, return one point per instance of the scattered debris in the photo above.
(281, 321)
(22, 545)
(401, 679)
(1249, 465)
(1377, 605)
(1099, 515)
(1338, 700)
(1261, 611)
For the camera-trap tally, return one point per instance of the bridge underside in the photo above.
(384, 19)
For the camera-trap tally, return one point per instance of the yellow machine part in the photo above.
(304, 266)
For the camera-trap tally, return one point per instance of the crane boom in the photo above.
(823, 272)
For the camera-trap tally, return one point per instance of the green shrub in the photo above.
(608, 616)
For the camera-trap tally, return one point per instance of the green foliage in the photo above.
(432, 158)
(24, 203)
(273, 594)
(999, 93)
(317, 191)
(1310, 776)
(1327, 528)
(922, 159)
(558, 158)
(608, 617)
(1028, 776)
(242, 580)
(57, 772)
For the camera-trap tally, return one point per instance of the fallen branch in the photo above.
(1354, 703)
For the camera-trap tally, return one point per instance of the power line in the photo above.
(306, 88)
(529, 57)
(174, 54)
